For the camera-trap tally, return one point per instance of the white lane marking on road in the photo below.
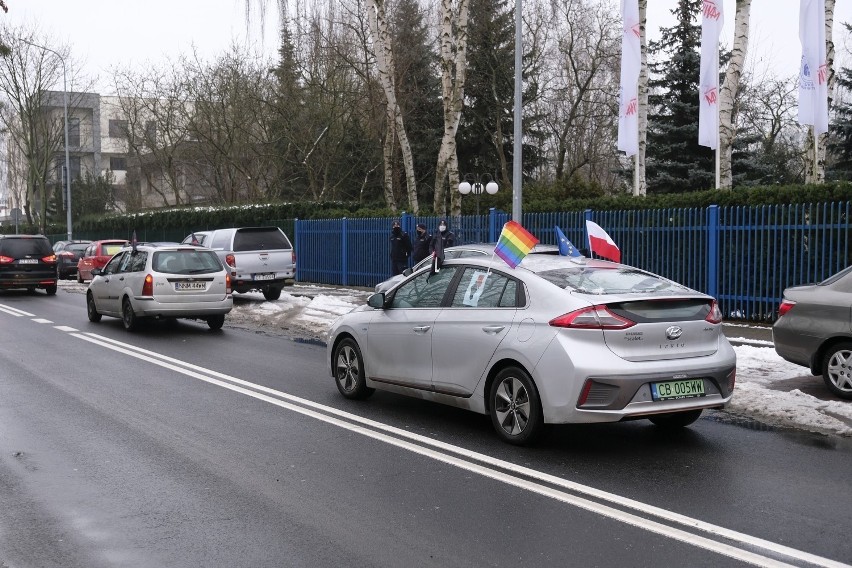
(242, 386)
(41, 320)
(64, 328)
(15, 311)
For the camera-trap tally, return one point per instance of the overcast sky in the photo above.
(105, 33)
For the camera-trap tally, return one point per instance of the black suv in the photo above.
(27, 261)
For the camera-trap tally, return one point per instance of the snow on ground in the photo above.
(766, 388)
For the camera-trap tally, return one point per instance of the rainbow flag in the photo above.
(514, 244)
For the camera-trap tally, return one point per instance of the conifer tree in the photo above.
(675, 160)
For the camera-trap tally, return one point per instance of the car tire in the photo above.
(349, 371)
(675, 420)
(79, 278)
(272, 293)
(216, 322)
(51, 289)
(31, 290)
(128, 316)
(92, 309)
(515, 407)
(837, 370)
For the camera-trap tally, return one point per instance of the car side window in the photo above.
(424, 291)
(126, 260)
(480, 289)
(510, 295)
(137, 261)
(221, 240)
(112, 267)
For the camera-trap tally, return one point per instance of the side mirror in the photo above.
(407, 272)
(377, 300)
(97, 272)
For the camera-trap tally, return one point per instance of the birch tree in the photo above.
(396, 125)
(453, 40)
(642, 185)
(727, 95)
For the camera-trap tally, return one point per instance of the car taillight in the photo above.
(715, 315)
(148, 286)
(6, 259)
(785, 307)
(293, 255)
(593, 317)
(227, 283)
(50, 259)
(230, 260)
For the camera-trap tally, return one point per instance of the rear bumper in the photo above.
(242, 284)
(620, 389)
(150, 307)
(27, 280)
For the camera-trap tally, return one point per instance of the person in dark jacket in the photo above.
(400, 248)
(442, 239)
(422, 244)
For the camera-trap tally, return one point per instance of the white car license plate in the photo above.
(266, 276)
(677, 389)
(189, 286)
(28, 261)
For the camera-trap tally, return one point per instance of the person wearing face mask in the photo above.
(400, 248)
(442, 239)
(421, 244)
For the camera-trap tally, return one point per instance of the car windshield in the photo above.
(109, 250)
(599, 280)
(188, 261)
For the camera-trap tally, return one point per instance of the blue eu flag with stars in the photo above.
(565, 246)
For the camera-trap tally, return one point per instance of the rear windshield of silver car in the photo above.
(601, 281)
(266, 238)
(188, 261)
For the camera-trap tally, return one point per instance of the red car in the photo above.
(97, 255)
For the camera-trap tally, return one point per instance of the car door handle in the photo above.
(422, 328)
(492, 329)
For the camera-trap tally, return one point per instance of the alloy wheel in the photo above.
(839, 370)
(512, 406)
(348, 369)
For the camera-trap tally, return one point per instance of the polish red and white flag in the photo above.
(601, 243)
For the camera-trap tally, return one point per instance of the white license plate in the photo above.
(264, 276)
(28, 261)
(189, 286)
(677, 389)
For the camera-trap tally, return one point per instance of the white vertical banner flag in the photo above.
(813, 75)
(631, 62)
(712, 21)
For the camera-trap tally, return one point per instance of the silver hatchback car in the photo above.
(161, 281)
(556, 340)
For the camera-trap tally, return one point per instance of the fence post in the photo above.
(713, 250)
(296, 241)
(345, 252)
(492, 225)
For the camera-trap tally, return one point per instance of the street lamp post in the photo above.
(65, 113)
(474, 183)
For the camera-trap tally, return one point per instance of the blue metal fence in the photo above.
(743, 256)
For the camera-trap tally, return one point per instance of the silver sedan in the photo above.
(814, 329)
(556, 340)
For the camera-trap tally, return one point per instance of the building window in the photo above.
(74, 132)
(116, 164)
(151, 132)
(74, 162)
(117, 128)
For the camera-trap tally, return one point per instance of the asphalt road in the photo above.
(178, 446)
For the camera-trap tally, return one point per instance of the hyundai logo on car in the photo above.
(673, 332)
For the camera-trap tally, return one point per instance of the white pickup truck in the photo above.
(259, 258)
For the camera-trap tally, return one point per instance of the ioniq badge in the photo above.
(673, 332)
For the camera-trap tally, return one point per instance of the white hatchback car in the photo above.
(556, 340)
(161, 281)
